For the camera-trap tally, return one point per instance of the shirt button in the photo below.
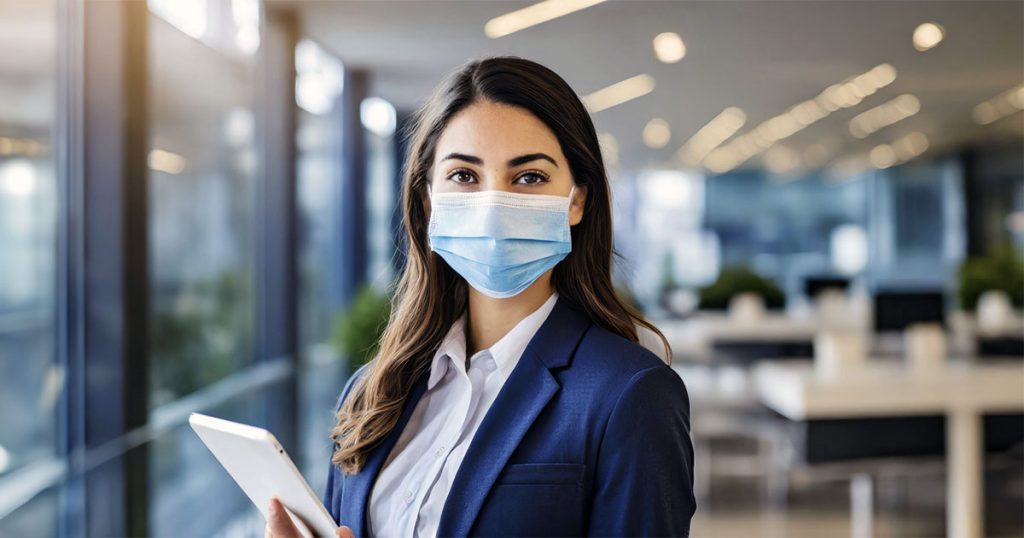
(408, 496)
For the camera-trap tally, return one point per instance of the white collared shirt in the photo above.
(411, 488)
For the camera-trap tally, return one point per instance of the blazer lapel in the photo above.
(528, 389)
(358, 486)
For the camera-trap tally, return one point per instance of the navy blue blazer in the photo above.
(590, 435)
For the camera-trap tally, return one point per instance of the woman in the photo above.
(509, 395)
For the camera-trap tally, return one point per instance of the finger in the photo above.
(280, 524)
(267, 533)
(344, 532)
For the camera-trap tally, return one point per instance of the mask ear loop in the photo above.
(570, 197)
(430, 219)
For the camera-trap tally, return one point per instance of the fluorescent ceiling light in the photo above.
(883, 115)
(899, 151)
(781, 159)
(619, 93)
(845, 94)
(1000, 106)
(533, 15)
(166, 161)
(709, 137)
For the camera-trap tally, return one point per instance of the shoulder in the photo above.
(607, 351)
(650, 340)
(616, 366)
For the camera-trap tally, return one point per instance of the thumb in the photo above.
(344, 532)
(280, 524)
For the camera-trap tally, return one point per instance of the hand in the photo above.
(279, 525)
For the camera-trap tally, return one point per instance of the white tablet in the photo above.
(260, 466)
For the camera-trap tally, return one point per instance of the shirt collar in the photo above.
(506, 351)
(453, 346)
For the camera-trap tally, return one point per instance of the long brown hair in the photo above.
(429, 295)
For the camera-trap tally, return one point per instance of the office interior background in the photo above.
(821, 204)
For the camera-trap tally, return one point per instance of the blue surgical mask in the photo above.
(500, 242)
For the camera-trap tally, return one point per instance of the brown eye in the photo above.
(460, 176)
(531, 178)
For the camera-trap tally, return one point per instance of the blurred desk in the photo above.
(701, 337)
(963, 392)
(1003, 339)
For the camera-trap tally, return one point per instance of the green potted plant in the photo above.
(1002, 270)
(735, 280)
(357, 330)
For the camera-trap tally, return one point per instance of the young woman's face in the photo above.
(492, 146)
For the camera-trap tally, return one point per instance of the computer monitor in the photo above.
(813, 285)
(895, 310)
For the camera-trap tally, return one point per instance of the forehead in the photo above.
(487, 129)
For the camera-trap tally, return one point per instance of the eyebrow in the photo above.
(516, 161)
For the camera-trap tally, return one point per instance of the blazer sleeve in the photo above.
(643, 481)
(328, 498)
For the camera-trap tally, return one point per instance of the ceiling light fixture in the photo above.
(884, 115)
(657, 133)
(899, 151)
(619, 93)
(1000, 106)
(927, 35)
(166, 161)
(845, 94)
(711, 135)
(533, 15)
(669, 47)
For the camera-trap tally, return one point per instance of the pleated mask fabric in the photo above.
(500, 242)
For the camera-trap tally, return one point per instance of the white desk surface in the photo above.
(888, 387)
(694, 337)
(801, 325)
(772, 327)
(962, 392)
(967, 322)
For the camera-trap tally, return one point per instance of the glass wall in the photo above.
(202, 162)
(207, 241)
(379, 121)
(30, 376)
(789, 227)
(203, 171)
(679, 229)
(658, 228)
(918, 223)
(692, 226)
(318, 167)
(318, 86)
